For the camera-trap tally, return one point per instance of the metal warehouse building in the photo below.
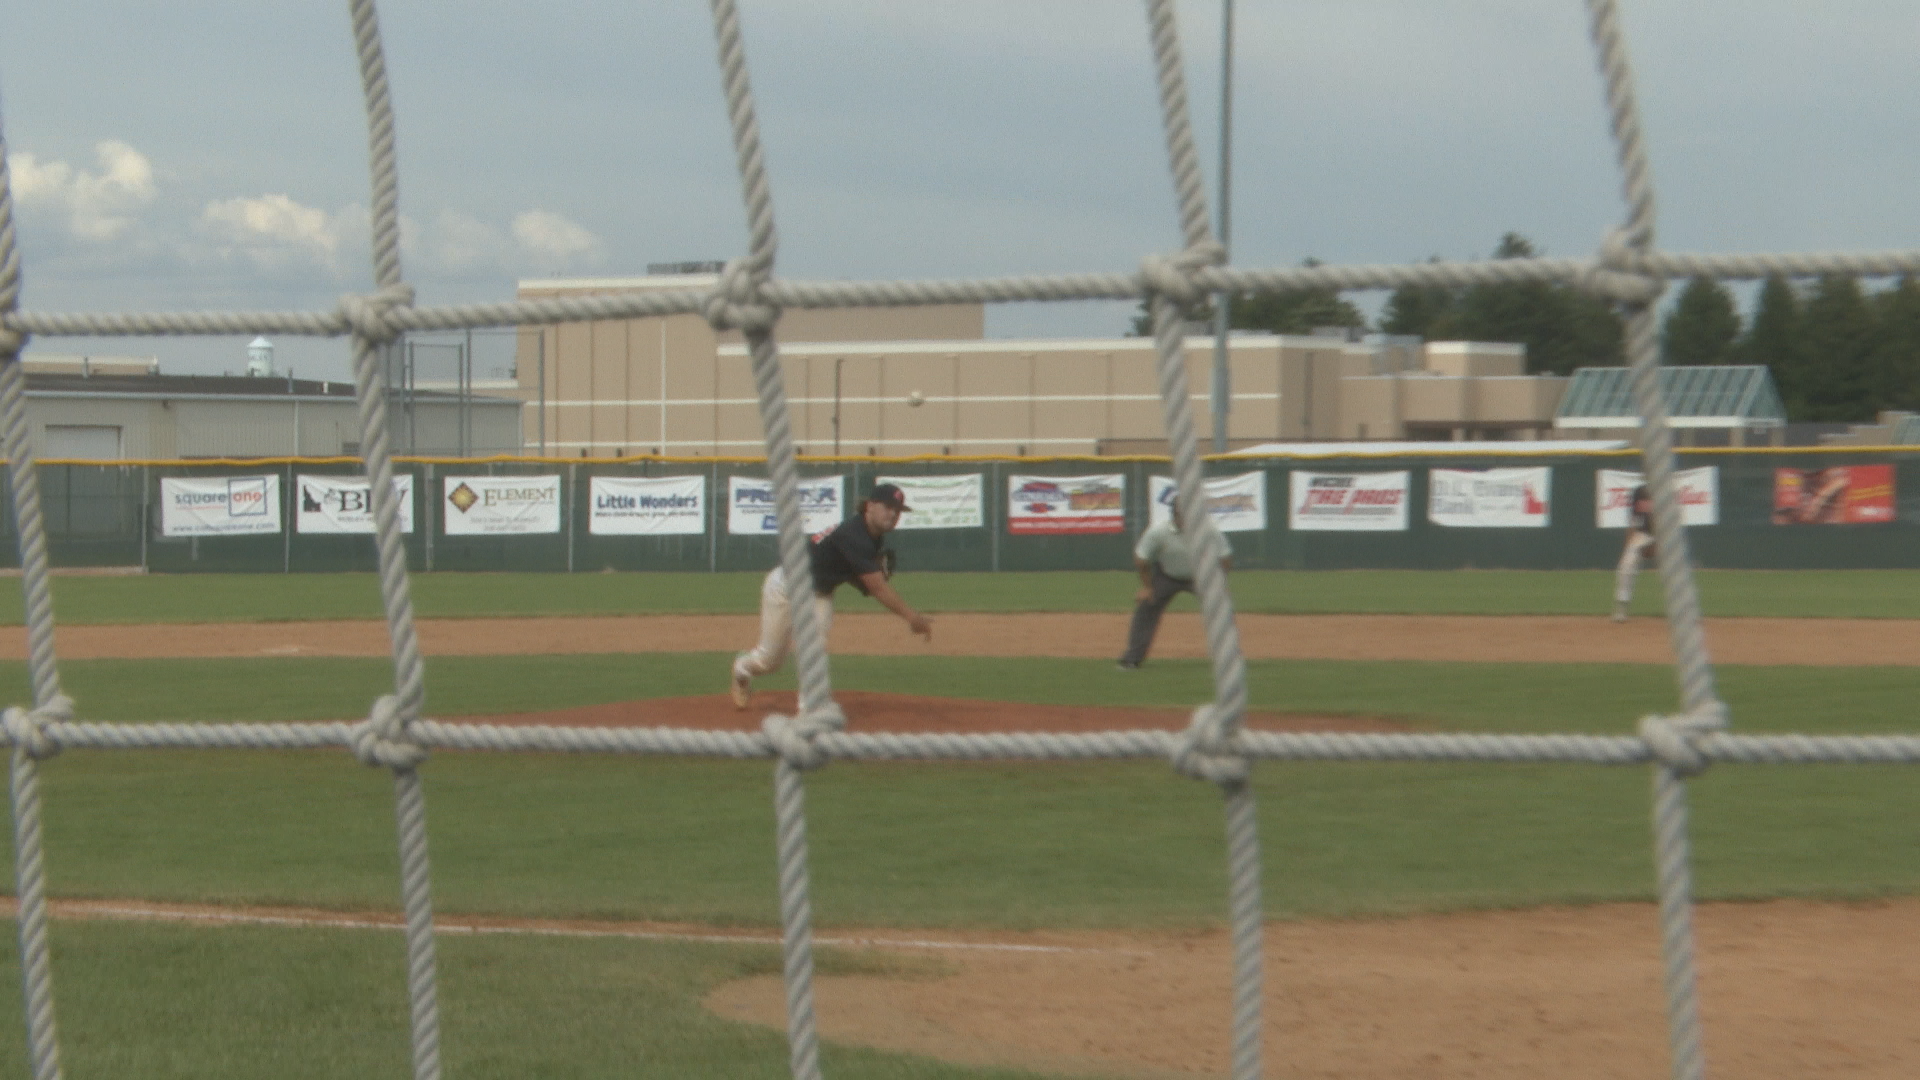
(120, 409)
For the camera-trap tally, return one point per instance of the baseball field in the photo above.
(229, 914)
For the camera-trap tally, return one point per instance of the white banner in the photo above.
(648, 506)
(1238, 503)
(341, 504)
(1348, 502)
(940, 502)
(219, 505)
(823, 505)
(1042, 505)
(500, 505)
(1490, 498)
(1699, 496)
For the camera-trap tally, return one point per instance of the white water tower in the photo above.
(259, 357)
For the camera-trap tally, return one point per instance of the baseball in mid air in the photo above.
(916, 399)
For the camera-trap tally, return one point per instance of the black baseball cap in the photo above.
(889, 495)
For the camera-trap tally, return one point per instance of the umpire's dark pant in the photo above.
(1146, 614)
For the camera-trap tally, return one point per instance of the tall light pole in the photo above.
(1222, 384)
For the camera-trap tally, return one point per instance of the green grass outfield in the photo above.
(1887, 594)
(993, 845)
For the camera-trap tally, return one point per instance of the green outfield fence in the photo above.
(106, 514)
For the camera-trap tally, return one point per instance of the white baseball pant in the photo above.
(1631, 557)
(776, 627)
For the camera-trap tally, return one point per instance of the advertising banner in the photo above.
(344, 504)
(1238, 503)
(648, 506)
(1042, 505)
(219, 505)
(823, 505)
(500, 505)
(1490, 498)
(1699, 496)
(1836, 495)
(1348, 502)
(941, 502)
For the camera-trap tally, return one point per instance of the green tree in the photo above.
(1298, 312)
(1837, 335)
(1562, 327)
(1416, 309)
(1703, 327)
(1773, 340)
(1896, 354)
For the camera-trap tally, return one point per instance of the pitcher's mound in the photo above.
(905, 713)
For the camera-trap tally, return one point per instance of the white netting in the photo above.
(1214, 747)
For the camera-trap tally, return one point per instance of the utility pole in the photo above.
(1222, 301)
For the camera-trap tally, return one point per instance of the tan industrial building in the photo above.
(911, 381)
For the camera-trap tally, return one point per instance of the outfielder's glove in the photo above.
(886, 564)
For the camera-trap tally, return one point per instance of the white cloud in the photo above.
(553, 239)
(274, 230)
(99, 205)
(461, 244)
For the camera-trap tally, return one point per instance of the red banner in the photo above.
(1836, 495)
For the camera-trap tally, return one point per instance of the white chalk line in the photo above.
(347, 922)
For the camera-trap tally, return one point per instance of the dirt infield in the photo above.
(1516, 638)
(1788, 989)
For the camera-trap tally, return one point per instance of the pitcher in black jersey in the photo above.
(852, 552)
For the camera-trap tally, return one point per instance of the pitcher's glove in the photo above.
(886, 563)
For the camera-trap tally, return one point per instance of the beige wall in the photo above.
(671, 385)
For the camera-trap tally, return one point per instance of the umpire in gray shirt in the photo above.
(1164, 561)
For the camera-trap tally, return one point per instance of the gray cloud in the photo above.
(998, 136)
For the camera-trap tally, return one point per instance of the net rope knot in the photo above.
(27, 728)
(795, 738)
(382, 740)
(735, 302)
(1205, 752)
(12, 341)
(1674, 739)
(370, 314)
(1172, 276)
(1618, 274)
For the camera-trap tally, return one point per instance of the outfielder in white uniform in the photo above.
(1639, 550)
(852, 552)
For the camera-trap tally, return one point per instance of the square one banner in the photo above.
(1699, 496)
(1237, 503)
(941, 502)
(823, 504)
(344, 504)
(1055, 505)
(1490, 498)
(1348, 502)
(219, 505)
(501, 505)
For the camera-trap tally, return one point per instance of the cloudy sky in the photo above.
(210, 154)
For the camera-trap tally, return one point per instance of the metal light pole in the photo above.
(1222, 301)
